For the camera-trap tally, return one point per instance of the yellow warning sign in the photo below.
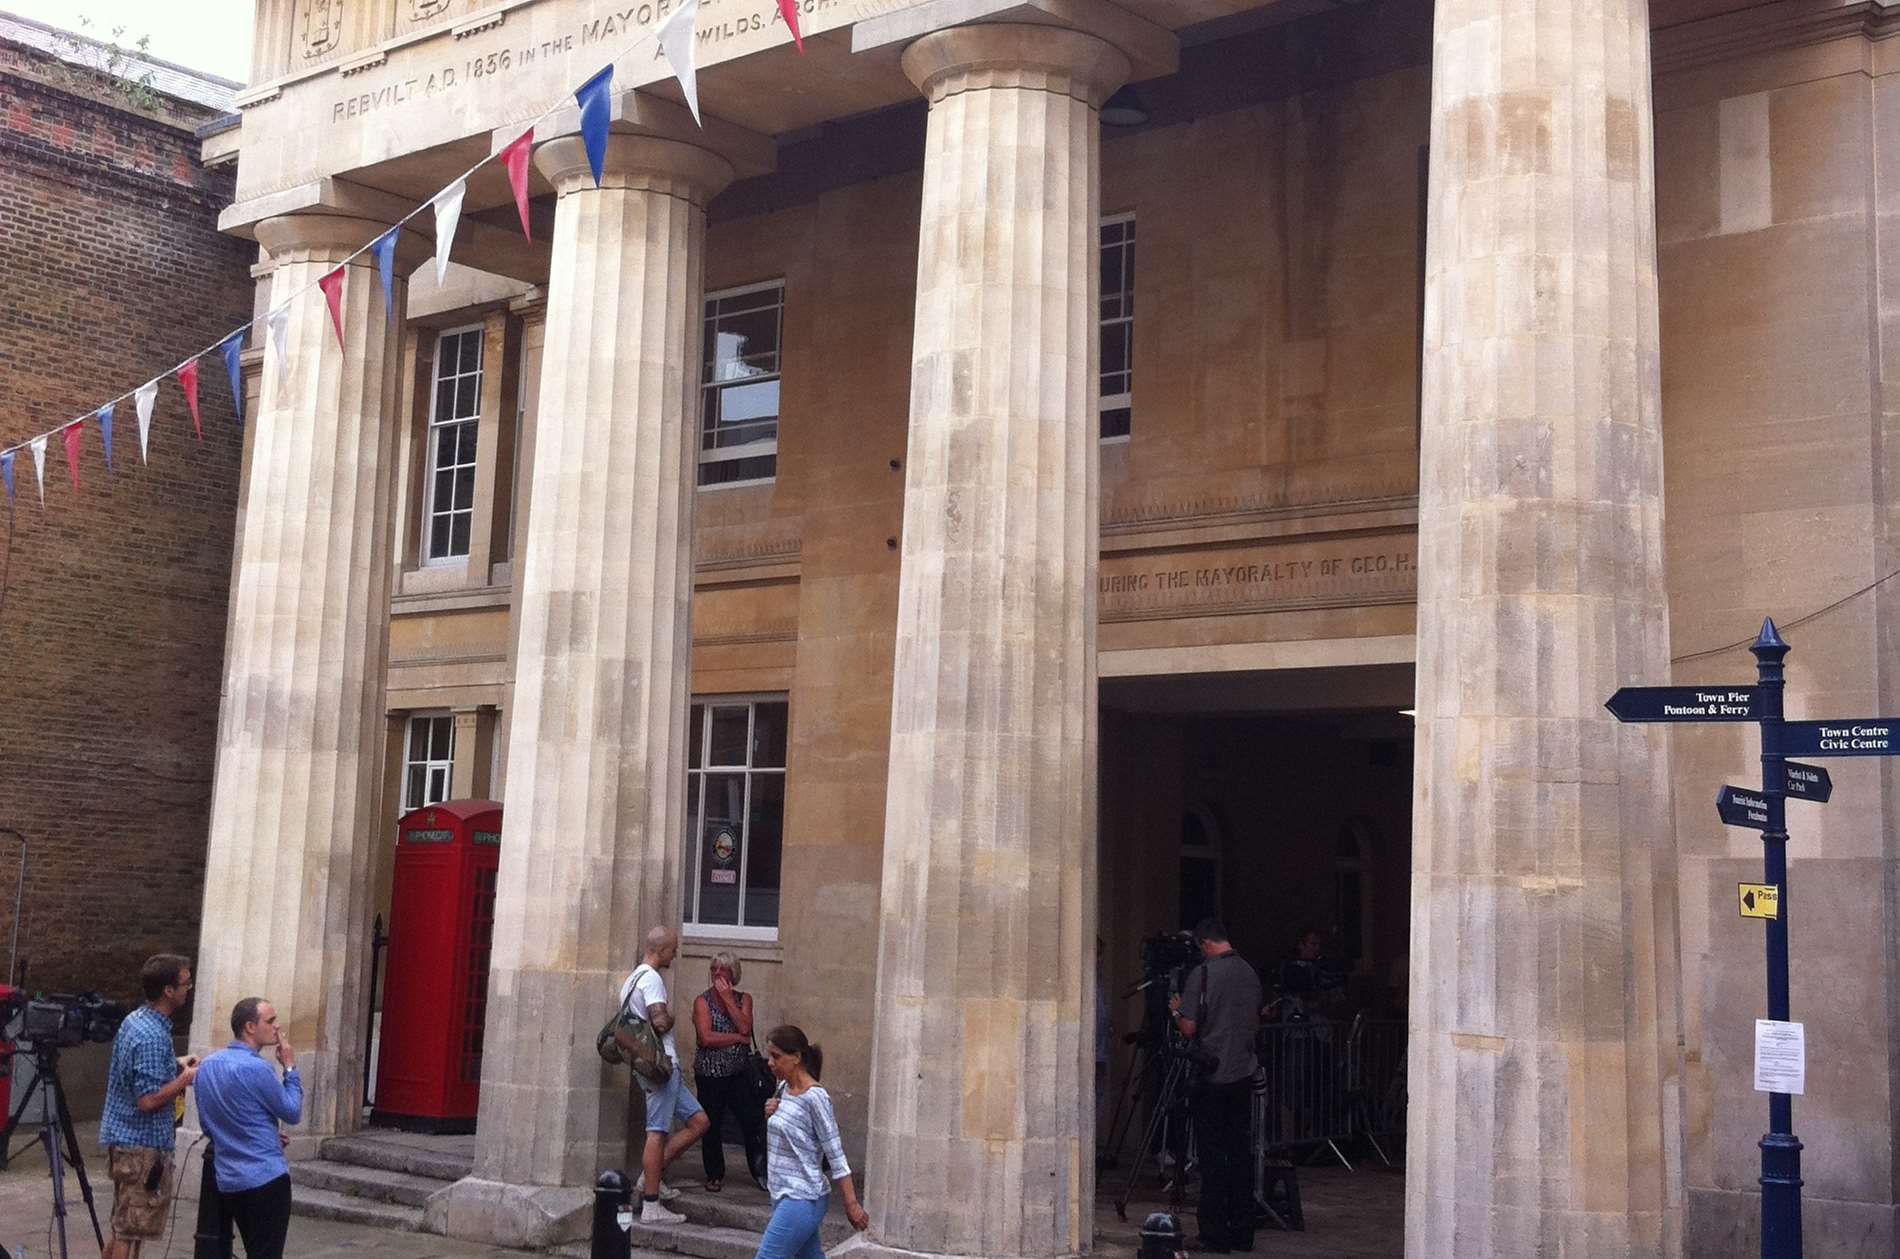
(1761, 900)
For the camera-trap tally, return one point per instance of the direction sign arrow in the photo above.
(1760, 900)
(1738, 806)
(1846, 736)
(1686, 703)
(1809, 782)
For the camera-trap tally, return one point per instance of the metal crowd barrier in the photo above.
(1332, 1084)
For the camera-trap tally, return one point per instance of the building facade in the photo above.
(112, 600)
(934, 517)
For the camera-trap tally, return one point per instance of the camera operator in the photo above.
(1218, 1013)
(142, 1082)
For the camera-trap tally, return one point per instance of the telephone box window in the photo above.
(735, 806)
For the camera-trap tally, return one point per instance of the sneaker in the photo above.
(667, 1192)
(654, 1213)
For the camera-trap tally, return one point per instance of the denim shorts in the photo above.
(669, 1102)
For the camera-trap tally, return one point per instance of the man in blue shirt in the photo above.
(240, 1104)
(142, 1082)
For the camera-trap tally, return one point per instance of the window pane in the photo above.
(439, 537)
(471, 351)
(464, 488)
(768, 735)
(1128, 275)
(1115, 422)
(764, 848)
(725, 471)
(1111, 271)
(468, 396)
(458, 533)
(720, 837)
(418, 739)
(438, 784)
(444, 738)
(446, 445)
(696, 724)
(1114, 353)
(729, 734)
(747, 344)
(465, 448)
(444, 401)
(412, 787)
(689, 883)
(739, 403)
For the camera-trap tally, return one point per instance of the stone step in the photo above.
(327, 1204)
(395, 1156)
(696, 1241)
(743, 1207)
(372, 1183)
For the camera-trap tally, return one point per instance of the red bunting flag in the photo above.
(332, 286)
(515, 158)
(788, 9)
(72, 436)
(188, 379)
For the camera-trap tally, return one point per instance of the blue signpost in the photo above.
(1766, 811)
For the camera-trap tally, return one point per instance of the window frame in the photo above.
(445, 764)
(430, 428)
(1126, 398)
(690, 927)
(754, 449)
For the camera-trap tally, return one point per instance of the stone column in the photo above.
(981, 1138)
(1545, 1002)
(294, 828)
(597, 739)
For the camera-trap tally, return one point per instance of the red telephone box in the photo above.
(441, 922)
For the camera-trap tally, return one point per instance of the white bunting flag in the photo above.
(144, 397)
(38, 446)
(279, 324)
(676, 41)
(448, 212)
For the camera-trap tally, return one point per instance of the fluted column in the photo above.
(1544, 1075)
(288, 893)
(597, 739)
(981, 1138)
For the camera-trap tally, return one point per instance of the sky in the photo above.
(209, 35)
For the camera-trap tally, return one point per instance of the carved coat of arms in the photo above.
(423, 10)
(321, 27)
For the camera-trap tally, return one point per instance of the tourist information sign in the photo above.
(1766, 811)
(1738, 806)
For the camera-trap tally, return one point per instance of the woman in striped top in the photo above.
(801, 1137)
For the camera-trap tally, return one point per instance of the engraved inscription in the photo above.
(1262, 577)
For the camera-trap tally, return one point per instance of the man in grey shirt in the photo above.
(1218, 1012)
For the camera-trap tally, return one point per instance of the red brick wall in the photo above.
(112, 625)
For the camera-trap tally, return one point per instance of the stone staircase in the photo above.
(384, 1180)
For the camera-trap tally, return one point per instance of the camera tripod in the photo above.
(56, 1134)
(1170, 1126)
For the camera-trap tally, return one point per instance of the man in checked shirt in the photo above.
(142, 1082)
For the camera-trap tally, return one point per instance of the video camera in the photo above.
(61, 1019)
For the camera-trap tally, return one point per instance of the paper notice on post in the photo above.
(1781, 1057)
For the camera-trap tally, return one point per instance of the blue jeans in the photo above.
(793, 1232)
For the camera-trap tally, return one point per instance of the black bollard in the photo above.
(213, 1240)
(613, 1193)
(1161, 1237)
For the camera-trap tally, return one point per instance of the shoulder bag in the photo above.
(628, 1037)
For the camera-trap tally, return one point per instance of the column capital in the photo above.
(1019, 55)
(639, 162)
(317, 237)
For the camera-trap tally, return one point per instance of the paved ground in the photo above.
(1349, 1215)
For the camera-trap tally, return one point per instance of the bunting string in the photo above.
(673, 40)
